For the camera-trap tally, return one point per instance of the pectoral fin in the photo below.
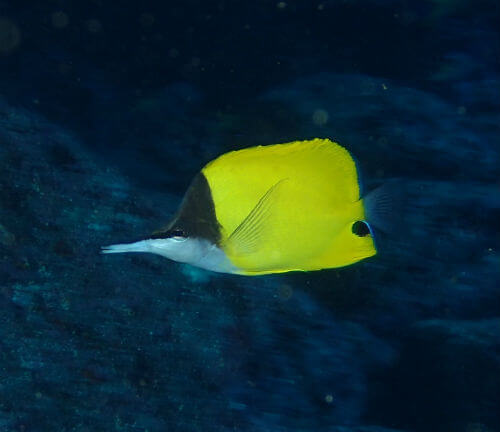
(251, 232)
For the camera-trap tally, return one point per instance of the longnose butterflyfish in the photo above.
(269, 209)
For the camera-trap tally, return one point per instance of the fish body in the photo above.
(269, 209)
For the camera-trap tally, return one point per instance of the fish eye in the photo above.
(177, 234)
(361, 228)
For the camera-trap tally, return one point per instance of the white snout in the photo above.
(194, 251)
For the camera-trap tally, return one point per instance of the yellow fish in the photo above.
(269, 209)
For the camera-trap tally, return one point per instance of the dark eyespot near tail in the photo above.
(361, 228)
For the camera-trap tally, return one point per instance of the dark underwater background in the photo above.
(107, 111)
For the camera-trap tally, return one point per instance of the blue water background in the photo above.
(108, 109)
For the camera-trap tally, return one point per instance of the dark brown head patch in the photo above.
(196, 215)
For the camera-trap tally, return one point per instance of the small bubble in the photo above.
(6, 238)
(408, 18)
(367, 87)
(64, 68)
(147, 20)
(10, 36)
(59, 19)
(38, 395)
(329, 398)
(65, 304)
(94, 26)
(476, 427)
(285, 292)
(383, 141)
(320, 117)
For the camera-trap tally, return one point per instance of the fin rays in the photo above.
(245, 238)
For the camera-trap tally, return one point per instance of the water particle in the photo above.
(329, 398)
(476, 427)
(281, 5)
(94, 26)
(367, 87)
(59, 19)
(10, 36)
(320, 117)
(285, 292)
(383, 141)
(6, 238)
(147, 20)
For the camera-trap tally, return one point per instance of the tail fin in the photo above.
(140, 246)
(385, 207)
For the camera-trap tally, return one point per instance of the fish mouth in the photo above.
(139, 246)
